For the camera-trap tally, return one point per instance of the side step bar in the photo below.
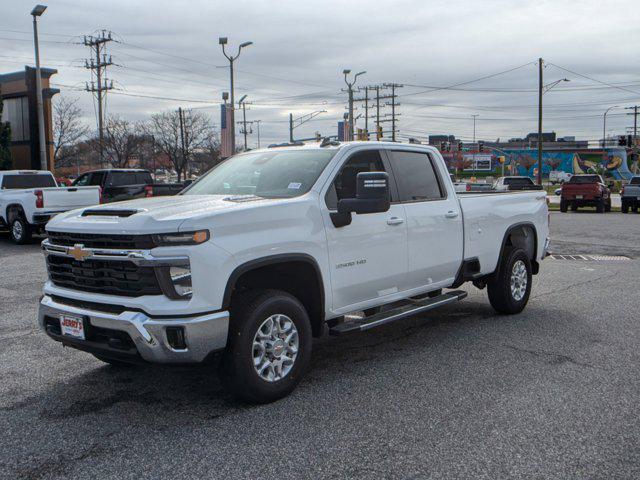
(397, 313)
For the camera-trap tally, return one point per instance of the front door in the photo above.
(368, 258)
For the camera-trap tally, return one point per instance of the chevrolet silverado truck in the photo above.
(630, 195)
(585, 191)
(276, 246)
(29, 198)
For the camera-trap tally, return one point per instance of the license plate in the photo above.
(579, 197)
(72, 326)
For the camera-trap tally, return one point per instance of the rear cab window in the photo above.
(14, 182)
(584, 179)
(635, 181)
(518, 181)
(416, 176)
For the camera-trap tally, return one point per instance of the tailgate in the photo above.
(67, 198)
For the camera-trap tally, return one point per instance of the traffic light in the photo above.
(481, 146)
(380, 131)
(459, 146)
(501, 159)
(622, 141)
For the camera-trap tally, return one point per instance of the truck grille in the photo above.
(93, 240)
(106, 277)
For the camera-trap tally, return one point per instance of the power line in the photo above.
(593, 79)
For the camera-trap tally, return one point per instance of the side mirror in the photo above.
(372, 196)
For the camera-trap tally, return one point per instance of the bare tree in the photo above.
(121, 141)
(68, 130)
(180, 146)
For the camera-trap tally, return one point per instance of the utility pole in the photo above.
(634, 147)
(378, 112)
(296, 122)
(258, 127)
(474, 115)
(242, 104)
(98, 64)
(365, 99)
(540, 121)
(604, 131)
(223, 41)
(350, 85)
(393, 104)
(37, 11)
(182, 143)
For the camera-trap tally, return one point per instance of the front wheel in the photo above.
(563, 205)
(510, 287)
(269, 346)
(600, 207)
(624, 207)
(20, 231)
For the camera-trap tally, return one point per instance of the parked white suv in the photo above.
(29, 198)
(273, 247)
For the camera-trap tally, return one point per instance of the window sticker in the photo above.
(294, 186)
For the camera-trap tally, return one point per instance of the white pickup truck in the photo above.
(275, 246)
(29, 198)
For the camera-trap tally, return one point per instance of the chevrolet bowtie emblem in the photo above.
(79, 253)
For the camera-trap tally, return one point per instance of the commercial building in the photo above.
(18, 93)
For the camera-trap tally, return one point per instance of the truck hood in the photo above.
(151, 215)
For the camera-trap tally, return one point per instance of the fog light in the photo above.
(175, 338)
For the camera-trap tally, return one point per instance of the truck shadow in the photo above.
(179, 395)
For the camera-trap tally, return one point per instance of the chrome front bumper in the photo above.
(204, 334)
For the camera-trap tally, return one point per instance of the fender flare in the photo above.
(534, 264)
(273, 260)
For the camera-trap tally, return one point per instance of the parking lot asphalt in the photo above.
(460, 392)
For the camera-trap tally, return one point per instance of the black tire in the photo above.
(563, 205)
(607, 206)
(20, 230)
(113, 362)
(600, 207)
(624, 207)
(248, 313)
(574, 207)
(499, 287)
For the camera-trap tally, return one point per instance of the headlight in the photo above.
(186, 238)
(175, 282)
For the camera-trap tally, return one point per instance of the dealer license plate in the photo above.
(72, 326)
(579, 197)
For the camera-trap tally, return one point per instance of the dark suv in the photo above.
(126, 183)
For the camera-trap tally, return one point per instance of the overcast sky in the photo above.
(170, 49)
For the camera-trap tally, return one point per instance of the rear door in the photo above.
(123, 185)
(434, 219)
(368, 258)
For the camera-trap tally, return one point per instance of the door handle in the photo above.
(451, 214)
(395, 221)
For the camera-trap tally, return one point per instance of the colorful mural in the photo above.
(525, 162)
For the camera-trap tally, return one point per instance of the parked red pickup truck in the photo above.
(585, 191)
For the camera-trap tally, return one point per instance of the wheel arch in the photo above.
(13, 209)
(298, 274)
(523, 235)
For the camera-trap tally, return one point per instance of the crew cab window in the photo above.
(96, 179)
(121, 179)
(416, 177)
(144, 177)
(82, 180)
(344, 185)
(13, 182)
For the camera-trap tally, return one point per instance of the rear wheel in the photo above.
(607, 206)
(625, 207)
(574, 207)
(510, 286)
(563, 205)
(20, 230)
(600, 206)
(269, 346)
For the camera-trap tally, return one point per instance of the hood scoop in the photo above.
(109, 212)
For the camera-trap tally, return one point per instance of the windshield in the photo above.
(271, 174)
(582, 179)
(28, 181)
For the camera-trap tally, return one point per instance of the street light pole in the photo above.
(350, 85)
(604, 131)
(223, 41)
(540, 121)
(37, 11)
(474, 126)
